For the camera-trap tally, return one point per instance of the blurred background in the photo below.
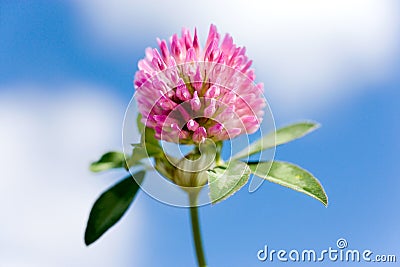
(66, 72)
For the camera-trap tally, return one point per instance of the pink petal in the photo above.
(213, 92)
(182, 92)
(192, 125)
(229, 98)
(195, 102)
(260, 88)
(212, 34)
(227, 114)
(199, 135)
(216, 130)
(227, 43)
(186, 38)
(196, 45)
(164, 50)
(157, 61)
(212, 51)
(210, 109)
(174, 127)
(251, 123)
(190, 55)
(232, 133)
(166, 103)
(160, 118)
(176, 48)
(183, 112)
(197, 81)
(247, 66)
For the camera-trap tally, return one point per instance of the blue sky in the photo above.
(66, 73)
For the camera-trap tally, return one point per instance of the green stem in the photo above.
(218, 159)
(194, 215)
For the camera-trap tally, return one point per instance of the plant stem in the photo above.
(194, 215)
(218, 153)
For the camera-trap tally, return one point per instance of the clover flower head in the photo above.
(188, 93)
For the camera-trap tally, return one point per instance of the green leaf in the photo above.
(148, 146)
(139, 123)
(294, 131)
(108, 161)
(138, 153)
(225, 180)
(151, 143)
(111, 206)
(282, 136)
(291, 176)
(147, 137)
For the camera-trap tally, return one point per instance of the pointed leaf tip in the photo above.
(291, 176)
(280, 137)
(109, 160)
(111, 206)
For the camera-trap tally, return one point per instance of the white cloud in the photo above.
(47, 140)
(310, 53)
